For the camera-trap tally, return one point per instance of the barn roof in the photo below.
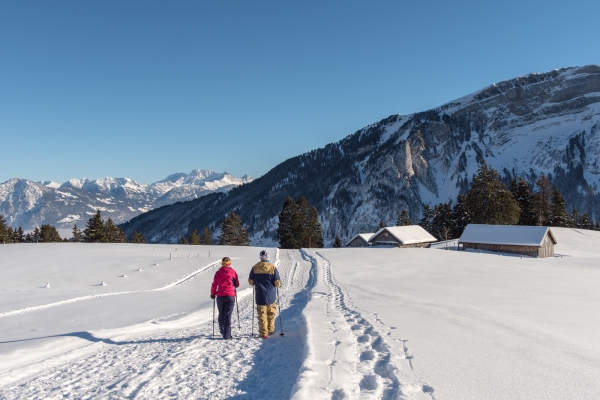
(513, 235)
(363, 236)
(409, 234)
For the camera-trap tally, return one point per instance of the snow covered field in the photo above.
(358, 323)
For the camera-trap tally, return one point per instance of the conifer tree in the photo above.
(288, 225)
(488, 201)
(522, 194)
(575, 219)
(302, 224)
(35, 237)
(20, 235)
(403, 219)
(232, 232)
(381, 225)
(442, 221)
(337, 243)
(313, 233)
(138, 237)
(183, 240)
(9, 234)
(542, 199)
(94, 232)
(111, 232)
(121, 236)
(460, 216)
(558, 212)
(77, 235)
(28, 238)
(48, 234)
(194, 238)
(206, 237)
(425, 222)
(3, 230)
(586, 222)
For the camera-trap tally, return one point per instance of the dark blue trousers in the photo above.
(225, 304)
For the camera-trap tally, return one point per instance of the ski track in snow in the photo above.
(182, 363)
(181, 281)
(362, 361)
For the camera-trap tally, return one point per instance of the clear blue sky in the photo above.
(143, 89)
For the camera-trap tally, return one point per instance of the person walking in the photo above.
(223, 288)
(265, 279)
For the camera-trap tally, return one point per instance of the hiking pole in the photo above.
(279, 305)
(237, 307)
(252, 334)
(214, 302)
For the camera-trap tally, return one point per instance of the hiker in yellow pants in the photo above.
(265, 278)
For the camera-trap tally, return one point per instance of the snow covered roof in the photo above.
(515, 235)
(409, 234)
(363, 236)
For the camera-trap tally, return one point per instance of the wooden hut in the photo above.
(534, 241)
(402, 236)
(360, 240)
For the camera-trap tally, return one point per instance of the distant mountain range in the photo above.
(29, 204)
(539, 123)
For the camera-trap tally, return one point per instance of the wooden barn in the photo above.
(402, 236)
(534, 241)
(360, 240)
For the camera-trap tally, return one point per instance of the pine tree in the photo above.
(586, 222)
(194, 238)
(9, 234)
(425, 222)
(111, 232)
(381, 225)
(460, 216)
(288, 220)
(3, 230)
(77, 235)
(302, 224)
(522, 194)
(35, 237)
(575, 219)
(183, 240)
(337, 243)
(313, 233)
(403, 219)
(138, 237)
(542, 200)
(94, 232)
(121, 236)
(49, 234)
(232, 232)
(206, 237)
(488, 201)
(20, 236)
(558, 212)
(442, 221)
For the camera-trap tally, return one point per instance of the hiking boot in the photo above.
(264, 337)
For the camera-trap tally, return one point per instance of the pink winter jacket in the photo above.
(225, 280)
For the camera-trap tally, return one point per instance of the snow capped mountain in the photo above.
(539, 123)
(28, 204)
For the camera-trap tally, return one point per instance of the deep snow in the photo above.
(358, 323)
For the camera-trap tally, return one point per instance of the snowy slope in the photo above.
(358, 323)
(29, 204)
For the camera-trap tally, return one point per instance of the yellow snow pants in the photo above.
(266, 319)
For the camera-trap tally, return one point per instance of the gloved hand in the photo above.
(212, 296)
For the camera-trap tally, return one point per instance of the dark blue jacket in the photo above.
(265, 278)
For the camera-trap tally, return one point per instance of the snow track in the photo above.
(181, 362)
(350, 353)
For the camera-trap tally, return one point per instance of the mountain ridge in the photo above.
(536, 123)
(28, 204)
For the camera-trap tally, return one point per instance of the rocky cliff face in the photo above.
(29, 204)
(537, 123)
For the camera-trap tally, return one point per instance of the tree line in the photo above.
(47, 233)
(489, 201)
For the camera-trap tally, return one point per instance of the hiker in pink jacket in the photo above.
(223, 288)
